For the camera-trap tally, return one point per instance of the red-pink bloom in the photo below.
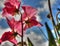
(30, 22)
(28, 12)
(16, 26)
(28, 17)
(11, 7)
(8, 36)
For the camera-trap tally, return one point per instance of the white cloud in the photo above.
(52, 1)
(19, 38)
(6, 43)
(37, 40)
(1, 15)
(45, 3)
(1, 3)
(38, 18)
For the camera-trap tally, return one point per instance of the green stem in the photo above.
(51, 17)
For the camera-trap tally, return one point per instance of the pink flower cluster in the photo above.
(12, 9)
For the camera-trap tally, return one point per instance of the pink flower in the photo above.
(11, 7)
(28, 12)
(28, 17)
(30, 22)
(8, 36)
(16, 26)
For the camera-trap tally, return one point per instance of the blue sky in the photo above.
(42, 7)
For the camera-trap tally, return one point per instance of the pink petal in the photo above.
(8, 36)
(29, 12)
(0, 41)
(15, 25)
(26, 27)
(15, 3)
(8, 4)
(4, 36)
(9, 10)
(32, 23)
(14, 41)
(10, 7)
(11, 23)
(18, 28)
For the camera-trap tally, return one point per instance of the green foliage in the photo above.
(29, 42)
(59, 41)
(58, 26)
(51, 38)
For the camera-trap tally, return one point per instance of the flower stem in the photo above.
(22, 30)
(51, 17)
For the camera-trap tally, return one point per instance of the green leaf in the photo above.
(29, 42)
(50, 35)
(59, 41)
